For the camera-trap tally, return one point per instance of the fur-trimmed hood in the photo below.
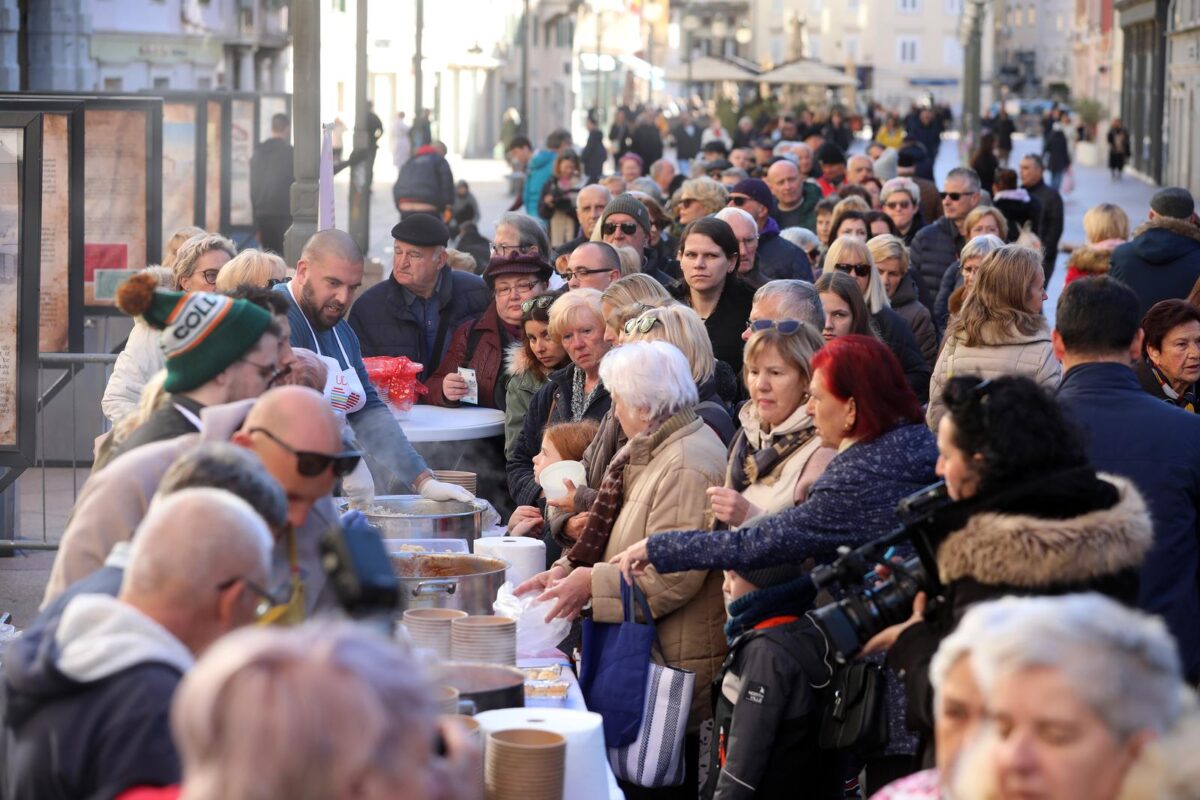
(1180, 227)
(1025, 551)
(517, 361)
(1091, 259)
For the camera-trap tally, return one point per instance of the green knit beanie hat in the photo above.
(202, 333)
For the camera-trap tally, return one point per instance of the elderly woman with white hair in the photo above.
(851, 256)
(655, 483)
(1084, 698)
(320, 712)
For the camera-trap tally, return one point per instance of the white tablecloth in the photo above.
(436, 424)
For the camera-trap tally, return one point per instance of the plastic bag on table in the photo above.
(395, 379)
(534, 635)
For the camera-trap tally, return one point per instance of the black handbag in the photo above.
(855, 718)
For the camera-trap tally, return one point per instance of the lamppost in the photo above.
(651, 13)
(690, 25)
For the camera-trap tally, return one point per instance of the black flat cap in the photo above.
(423, 230)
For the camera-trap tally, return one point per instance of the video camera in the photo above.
(849, 623)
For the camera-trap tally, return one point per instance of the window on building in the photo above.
(1058, 22)
(205, 82)
(907, 50)
(113, 84)
(954, 7)
(852, 48)
(162, 83)
(337, 5)
(952, 52)
(1015, 18)
(1032, 15)
(909, 6)
(341, 97)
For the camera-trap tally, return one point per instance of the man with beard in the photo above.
(329, 272)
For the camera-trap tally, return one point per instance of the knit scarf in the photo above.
(580, 400)
(611, 496)
(1186, 401)
(794, 597)
(749, 465)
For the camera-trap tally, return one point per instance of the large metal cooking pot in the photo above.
(448, 580)
(488, 686)
(410, 516)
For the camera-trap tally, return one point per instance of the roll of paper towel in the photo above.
(587, 764)
(525, 555)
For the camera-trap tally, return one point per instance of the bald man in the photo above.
(859, 167)
(796, 197)
(275, 427)
(86, 694)
(328, 274)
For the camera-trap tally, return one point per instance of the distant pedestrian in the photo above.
(594, 154)
(422, 132)
(1118, 149)
(1057, 155)
(1004, 129)
(271, 185)
(1050, 225)
(401, 146)
(984, 160)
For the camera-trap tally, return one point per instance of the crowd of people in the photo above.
(758, 350)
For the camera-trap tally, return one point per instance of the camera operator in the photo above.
(1031, 517)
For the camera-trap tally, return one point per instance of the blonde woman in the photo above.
(1106, 226)
(1000, 330)
(626, 292)
(891, 263)
(850, 255)
(199, 260)
(699, 197)
(251, 268)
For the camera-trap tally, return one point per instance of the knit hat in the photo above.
(830, 153)
(1173, 201)
(757, 190)
(422, 230)
(203, 333)
(518, 264)
(772, 575)
(630, 205)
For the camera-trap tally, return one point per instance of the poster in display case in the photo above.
(241, 138)
(20, 287)
(182, 193)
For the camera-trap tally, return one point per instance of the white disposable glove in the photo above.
(437, 490)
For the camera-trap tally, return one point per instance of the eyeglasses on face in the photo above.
(861, 270)
(785, 326)
(268, 372)
(956, 196)
(641, 324)
(266, 599)
(210, 276)
(580, 272)
(516, 288)
(507, 250)
(310, 464)
(273, 282)
(898, 205)
(541, 303)
(627, 228)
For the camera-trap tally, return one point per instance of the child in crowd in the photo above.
(565, 441)
(767, 714)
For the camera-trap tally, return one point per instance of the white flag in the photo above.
(325, 181)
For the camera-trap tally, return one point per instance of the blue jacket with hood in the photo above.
(1162, 261)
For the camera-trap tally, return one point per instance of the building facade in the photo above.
(1183, 96)
(1033, 47)
(1143, 25)
(1097, 42)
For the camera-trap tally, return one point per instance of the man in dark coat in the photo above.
(936, 246)
(1162, 262)
(425, 183)
(415, 310)
(646, 141)
(1050, 226)
(594, 154)
(926, 128)
(687, 138)
(776, 256)
(271, 185)
(1130, 433)
(85, 695)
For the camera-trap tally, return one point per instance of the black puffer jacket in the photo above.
(920, 321)
(1071, 531)
(934, 249)
(890, 328)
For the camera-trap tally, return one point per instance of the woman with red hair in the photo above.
(862, 407)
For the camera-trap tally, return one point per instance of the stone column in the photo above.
(58, 59)
(306, 124)
(10, 27)
(246, 71)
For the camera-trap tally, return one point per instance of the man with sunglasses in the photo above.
(777, 258)
(626, 223)
(328, 273)
(86, 693)
(415, 310)
(218, 350)
(937, 245)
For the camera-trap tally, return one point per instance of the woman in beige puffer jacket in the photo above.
(1000, 329)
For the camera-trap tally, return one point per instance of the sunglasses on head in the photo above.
(641, 324)
(541, 303)
(861, 270)
(785, 326)
(310, 464)
(627, 228)
(956, 196)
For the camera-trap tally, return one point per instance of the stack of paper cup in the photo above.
(429, 628)
(484, 639)
(584, 732)
(467, 480)
(526, 556)
(525, 764)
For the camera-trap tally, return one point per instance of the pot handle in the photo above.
(425, 588)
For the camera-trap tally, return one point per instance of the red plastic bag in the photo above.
(395, 379)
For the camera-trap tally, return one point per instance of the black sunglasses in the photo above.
(627, 228)
(581, 272)
(738, 200)
(785, 326)
(861, 270)
(541, 303)
(310, 464)
(956, 196)
(273, 282)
